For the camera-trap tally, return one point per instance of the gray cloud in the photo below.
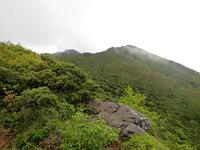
(43, 23)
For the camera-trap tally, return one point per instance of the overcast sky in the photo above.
(167, 28)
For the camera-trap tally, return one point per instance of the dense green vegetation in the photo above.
(143, 142)
(82, 134)
(43, 101)
(171, 90)
(160, 138)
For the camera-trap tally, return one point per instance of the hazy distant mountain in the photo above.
(172, 89)
(69, 52)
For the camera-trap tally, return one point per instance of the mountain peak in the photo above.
(70, 52)
(137, 53)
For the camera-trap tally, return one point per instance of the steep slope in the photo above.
(171, 89)
(169, 68)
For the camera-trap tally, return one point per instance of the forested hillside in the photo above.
(44, 101)
(43, 104)
(172, 90)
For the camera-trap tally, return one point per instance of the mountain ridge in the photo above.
(73, 52)
(159, 64)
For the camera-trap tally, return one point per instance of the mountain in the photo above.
(168, 68)
(69, 52)
(172, 90)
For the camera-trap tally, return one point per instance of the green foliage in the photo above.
(37, 98)
(172, 90)
(35, 136)
(38, 94)
(33, 106)
(17, 57)
(65, 110)
(143, 142)
(81, 134)
(65, 80)
(9, 81)
(49, 60)
(137, 102)
(30, 139)
(20, 142)
(22, 69)
(177, 143)
(7, 121)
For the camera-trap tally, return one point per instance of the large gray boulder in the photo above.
(121, 116)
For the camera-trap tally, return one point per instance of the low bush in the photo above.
(65, 110)
(143, 142)
(83, 134)
(33, 107)
(30, 139)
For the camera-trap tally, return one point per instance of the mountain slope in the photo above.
(171, 89)
(169, 68)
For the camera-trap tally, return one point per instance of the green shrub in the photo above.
(65, 80)
(20, 142)
(143, 142)
(134, 100)
(65, 110)
(17, 57)
(7, 121)
(35, 102)
(9, 81)
(35, 136)
(137, 102)
(31, 138)
(33, 107)
(81, 134)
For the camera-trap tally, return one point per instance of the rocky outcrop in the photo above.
(121, 116)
